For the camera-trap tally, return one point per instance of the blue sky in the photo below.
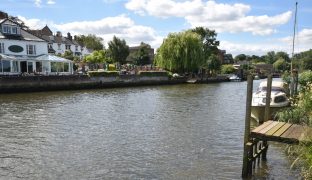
(243, 26)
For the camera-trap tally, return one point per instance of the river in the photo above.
(158, 132)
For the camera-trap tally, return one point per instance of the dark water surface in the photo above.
(157, 132)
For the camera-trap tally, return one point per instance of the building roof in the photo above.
(25, 35)
(44, 57)
(49, 57)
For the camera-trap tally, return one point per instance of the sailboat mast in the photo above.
(295, 23)
(292, 55)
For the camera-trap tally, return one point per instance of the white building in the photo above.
(23, 52)
(59, 44)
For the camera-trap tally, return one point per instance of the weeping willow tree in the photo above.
(181, 52)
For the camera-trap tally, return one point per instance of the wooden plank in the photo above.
(289, 131)
(282, 130)
(266, 129)
(274, 129)
(296, 133)
(306, 135)
(265, 124)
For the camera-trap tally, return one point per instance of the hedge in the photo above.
(103, 73)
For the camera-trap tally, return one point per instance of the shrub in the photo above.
(305, 79)
(103, 73)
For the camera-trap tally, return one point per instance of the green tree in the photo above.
(68, 55)
(181, 52)
(97, 57)
(209, 38)
(270, 57)
(141, 56)
(118, 50)
(90, 41)
(214, 64)
(282, 55)
(280, 65)
(240, 57)
(227, 69)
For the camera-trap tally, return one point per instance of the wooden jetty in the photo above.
(256, 140)
(281, 132)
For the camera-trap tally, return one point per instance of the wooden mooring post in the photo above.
(253, 148)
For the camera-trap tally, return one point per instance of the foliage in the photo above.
(303, 60)
(103, 73)
(97, 57)
(305, 79)
(118, 50)
(227, 69)
(280, 64)
(181, 52)
(286, 76)
(141, 56)
(209, 38)
(111, 67)
(282, 55)
(270, 57)
(301, 113)
(68, 55)
(90, 41)
(240, 57)
(153, 73)
(214, 65)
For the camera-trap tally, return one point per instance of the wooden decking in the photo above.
(282, 132)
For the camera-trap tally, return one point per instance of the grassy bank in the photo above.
(301, 113)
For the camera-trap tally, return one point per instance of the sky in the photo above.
(251, 27)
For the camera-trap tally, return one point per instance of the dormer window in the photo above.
(14, 30)
(11, 30)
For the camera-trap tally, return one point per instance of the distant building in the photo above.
(225, 58)
(58, 44)
(263, 68)
(23, 52)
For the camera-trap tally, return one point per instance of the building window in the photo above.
(76, 48)
(5, 29)
(59, 46)
(31, 49)
(2, 48)
(15, 66)
(67, 47)
(14, 30)
(6, 66)
(50, 45)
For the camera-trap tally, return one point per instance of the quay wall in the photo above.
(13, 84)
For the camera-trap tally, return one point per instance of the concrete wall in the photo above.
(11, 84)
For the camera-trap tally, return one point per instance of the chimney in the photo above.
(58, 34)
(69, 36)
(3, 15)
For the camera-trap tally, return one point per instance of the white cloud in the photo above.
(50, 2)
(120, 26)
(219, 16)
(35, 23)
(37, 3)
(303, 42)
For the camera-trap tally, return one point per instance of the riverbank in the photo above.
(17, 84)
(14, 84)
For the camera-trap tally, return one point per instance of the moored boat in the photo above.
(279, 99)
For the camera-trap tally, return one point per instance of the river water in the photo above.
(157, 132)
